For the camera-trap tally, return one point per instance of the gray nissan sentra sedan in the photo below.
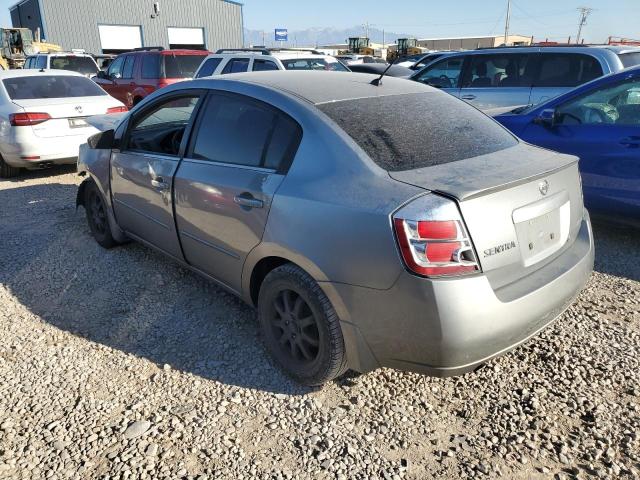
(371, 226)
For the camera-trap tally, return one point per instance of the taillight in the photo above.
(28, 118)
(121, 109)
(432, 238)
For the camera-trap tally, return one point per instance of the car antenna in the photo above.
(378, 81)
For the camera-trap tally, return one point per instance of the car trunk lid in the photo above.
(67, 114)
(521, 205)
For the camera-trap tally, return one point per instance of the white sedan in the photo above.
(43, 117)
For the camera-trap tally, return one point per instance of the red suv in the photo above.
(134, 75)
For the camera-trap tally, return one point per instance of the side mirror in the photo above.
(102, 74)
(115, 76)
(546, 118)
(102, 141)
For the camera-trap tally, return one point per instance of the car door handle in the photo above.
(468, 97)
(248, 200)
(159, 184)
(631, 142)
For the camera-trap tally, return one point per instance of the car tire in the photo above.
(97, 217)
(6, 170)
(300, 328)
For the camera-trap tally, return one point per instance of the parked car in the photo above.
(133, 75)
(429, 239)
(498, 77)
(425, 60)
(355, 59)
(76, 61)
(378, 69)
(600, 123)
(238, 60)
(43, 117)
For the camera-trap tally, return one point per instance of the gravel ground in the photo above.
(120, 364)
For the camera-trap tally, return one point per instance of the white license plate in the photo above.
(78, 123)
(540, 236)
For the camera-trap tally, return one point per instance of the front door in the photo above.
(109, 81)
(603, 129)
(142, 170)
(226, 182)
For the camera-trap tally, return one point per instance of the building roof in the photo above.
(325, 87)
(471, 37)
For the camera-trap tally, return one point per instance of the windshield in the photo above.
(405, 132)
(50, 86)
(84, 65)
(630, 59)
(181, 66)
(314, 64)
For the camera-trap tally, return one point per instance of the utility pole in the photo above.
(366, 29)
(584, 13)
(506, 23)
(263, 44)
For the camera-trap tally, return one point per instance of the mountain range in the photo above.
(319, 36)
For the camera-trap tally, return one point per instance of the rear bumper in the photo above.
(447, 327)
(55, 150)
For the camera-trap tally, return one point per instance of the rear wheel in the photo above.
(6, 170)
(300, 327)
(96, 210)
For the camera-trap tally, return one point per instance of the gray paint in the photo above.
(74, 23)
(331, 215)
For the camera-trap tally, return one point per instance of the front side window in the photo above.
(507, 70)
(314, 64)
(262, 65)
(566, 70)
(41, 62)
(115, 69)
(238, 130)
(84, 65)
(160, 129)
(444, 74)
(616, 105)
(236, 65)
(208, 67)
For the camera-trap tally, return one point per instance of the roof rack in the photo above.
(310, 50)
(263, 51)
(147, 49)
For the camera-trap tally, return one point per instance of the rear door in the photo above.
(557, 73)
(142, 169)
(224, 187)
(499, 80)
(445, 74)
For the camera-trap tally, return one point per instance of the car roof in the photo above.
(325, 87)
(292, 54)
(33, 72)
(555, 48)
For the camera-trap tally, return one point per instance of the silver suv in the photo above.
(512, 76)
(262, 59)
(75, 61)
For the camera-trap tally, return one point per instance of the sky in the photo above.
(553, 19)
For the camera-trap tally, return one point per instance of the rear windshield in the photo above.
(84, 65)
(405, 132)
(181, 66)
(313, 64)
(630, 59)
(50, 86)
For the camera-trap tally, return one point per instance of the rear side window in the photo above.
(50, 86)
(151, 66)
(208, 67)
(566, 70)
(41, 62)
(630, 59)
(262, 65)
(507, 70)
(236, 65)
(405, 132)
(181, 66)
(238, 130)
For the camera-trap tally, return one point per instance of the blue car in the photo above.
(600, 123)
